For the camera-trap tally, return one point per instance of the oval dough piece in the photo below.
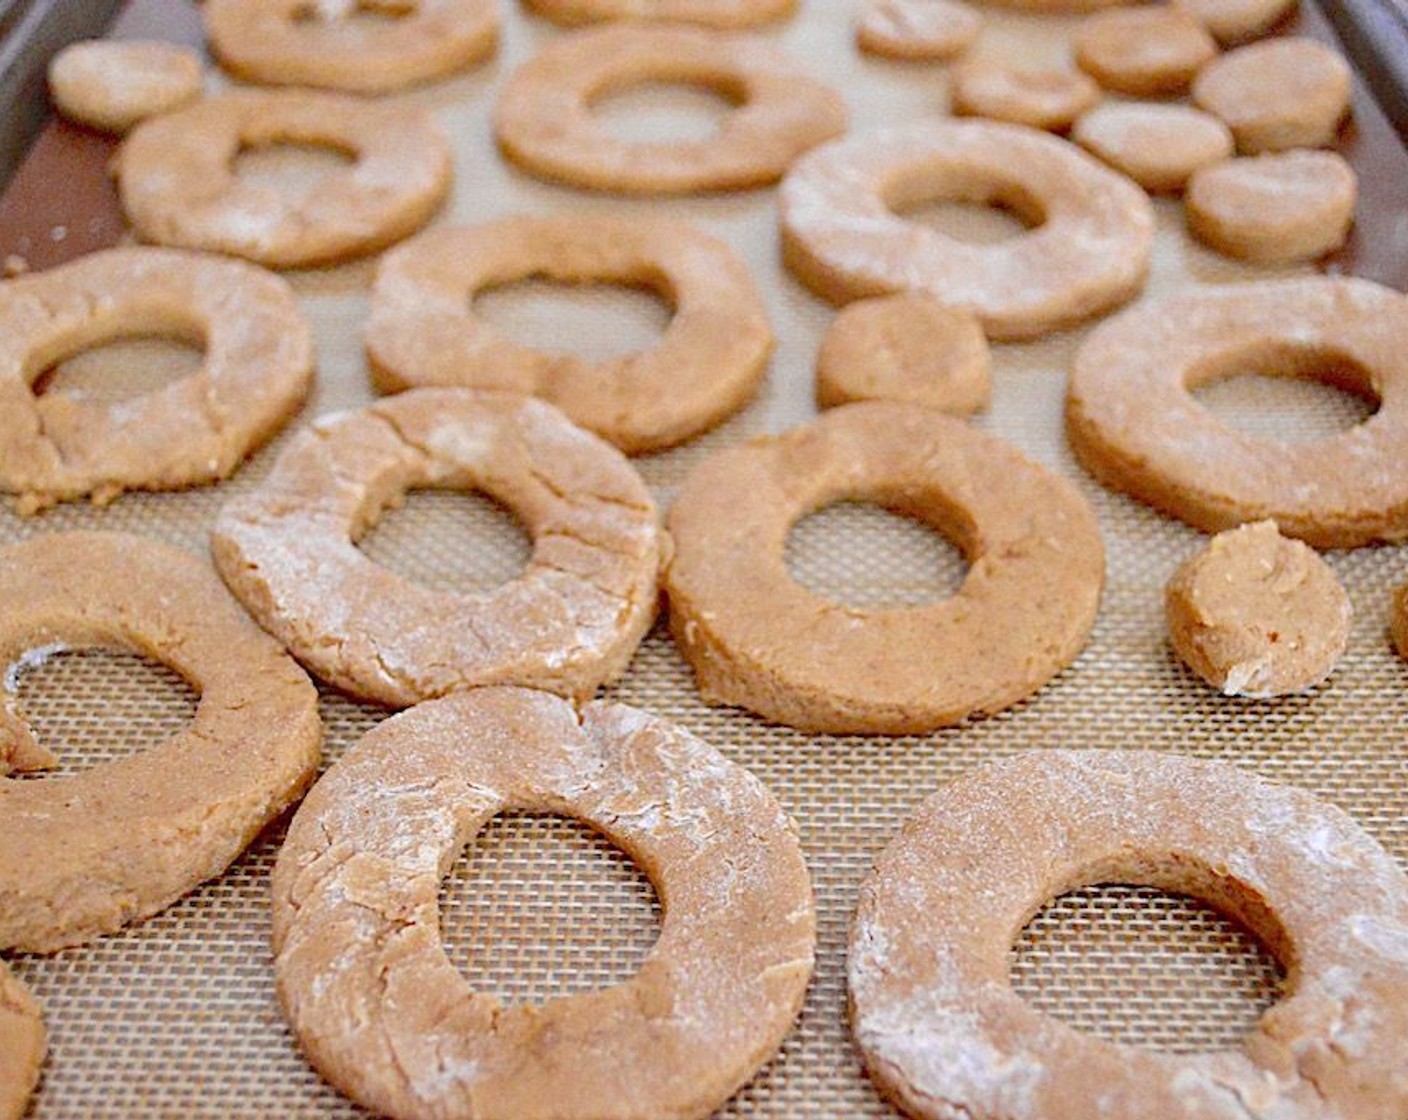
(1283, 93)
(544, 122)
(1236, 21)
(905, 348)
(1257, 615)
(1289, 206)
(178, 183)
(1045, 99)
(569, 623)
(943, 1033)
(1143, 52)
(1158, 146)
(22, 1046)
(1088, 250)
(385, 1016)
(720, 14)
(256, 371)
(321, 44)
(423, 330)
(86, 854)
(757, 638)
(921, 30)
(1134, 424)
(112, 84)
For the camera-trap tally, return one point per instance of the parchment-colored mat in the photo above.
(177, 1017)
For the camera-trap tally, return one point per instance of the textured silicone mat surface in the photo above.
(177, 1017)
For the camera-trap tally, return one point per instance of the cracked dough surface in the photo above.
(569, 623)
(942, 1032)
(256, 371)
(382, 1013)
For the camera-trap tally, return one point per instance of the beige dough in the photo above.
(1283, 93)
(1046, 99)
(544, 121)
(1158, 146)
(843, 238)
(381, 1012)
(943, 1034)
(923, 30)
(1134, 424)
(721, 14)
(257, 369)
(757, 638)
(1236, 21)
(179, 187)
(22, 1046)
(569, 623)
(88, 853)
(908, 348)
(423, 330)
(112, 84)
(1257, 615)
(315, 43)
(1143, 52)
(1398, 621)
(1288, 206)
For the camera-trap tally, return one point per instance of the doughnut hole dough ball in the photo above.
(1045, 99)
(931, 1000)
(1143, 52)
(318, 44)
(719, 14)
(918, 30)
(1232, 22)
(758, 639)
(1160, 147)
(111, 84)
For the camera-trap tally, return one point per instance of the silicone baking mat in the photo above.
(177, 1016)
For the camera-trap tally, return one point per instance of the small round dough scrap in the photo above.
(423, 330)
(1257, 615)
(1283, 93)
(1143, 52)
(1046, 99)
(383, 1014)
(1237, 21)
(1288, 206)
(943, 1033)
(755, 637)
(328, 44)
(925, 30)
(1158, 146)
(1089, 250)
(908, 348)
(111, 84)
(87, 853)
(1135, 425)
(179, 186)
(544, 120)
(256, 371)
(22, 1046)
(569, 623)
(719, 14)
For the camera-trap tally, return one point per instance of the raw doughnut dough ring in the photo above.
(111, 84)
(721, 14)
(757, 638)
(544, 122)
(22, 1046)
(423, 330)
(932, 1006)
(1090, 253)
(569, 623)
(1134, 424)
(383, 1014)
(265, 41)
(88, 853)
(257, 369)
(178, 184)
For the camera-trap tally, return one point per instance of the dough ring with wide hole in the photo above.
(256, 371)
(423, 329)
(87, 853)
(22, 1046)
(544, 121)
(569, 623)
(842, 236)
(1135, 425)
(943, 1033)
(720, 14)
(274, 42)
(178, 183)
(757, 638)
(385, 1016)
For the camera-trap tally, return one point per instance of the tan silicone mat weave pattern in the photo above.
(177, 1017)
